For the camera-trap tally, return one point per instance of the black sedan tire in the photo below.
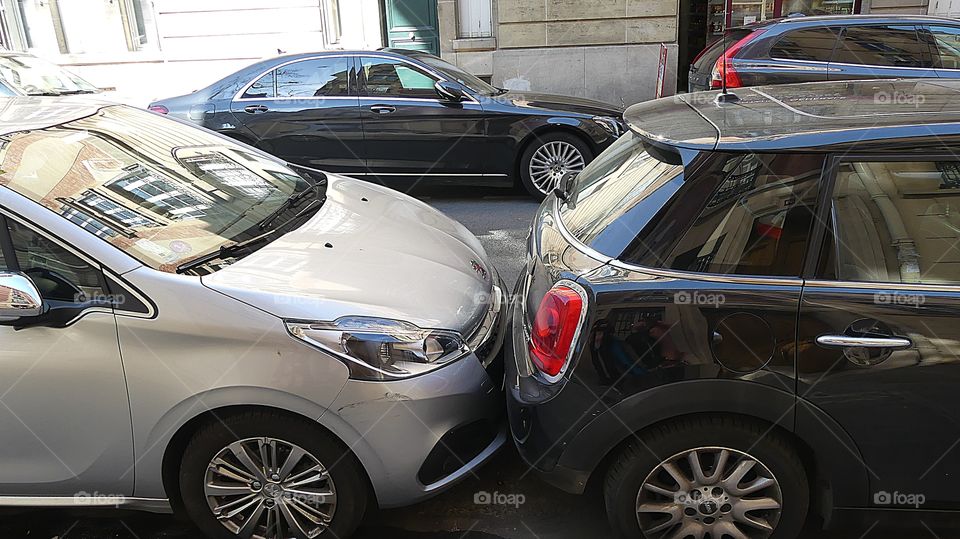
(548, 158)
(718, 476)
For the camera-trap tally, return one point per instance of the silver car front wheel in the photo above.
(269, 488)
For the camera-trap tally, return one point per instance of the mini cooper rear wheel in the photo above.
(548, 158)
(268, 476)
(720, 477)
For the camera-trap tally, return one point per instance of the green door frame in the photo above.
(422, 34)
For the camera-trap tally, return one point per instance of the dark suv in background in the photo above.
(820, 48)
(742, 313)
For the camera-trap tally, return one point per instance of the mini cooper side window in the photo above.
(59, 274)
(894, 222)
(744, 215)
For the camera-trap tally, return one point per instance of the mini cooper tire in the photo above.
(632, 482)
(563, 152)
(310, 443)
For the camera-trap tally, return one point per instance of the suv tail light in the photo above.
(555, 329)
(724, 66)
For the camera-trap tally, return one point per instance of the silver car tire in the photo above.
(262, 475)
(721, 476)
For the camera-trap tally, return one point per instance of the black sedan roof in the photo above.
(826, 116)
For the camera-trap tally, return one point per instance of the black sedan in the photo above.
(397, 117)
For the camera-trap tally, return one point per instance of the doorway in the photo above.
(411, 24)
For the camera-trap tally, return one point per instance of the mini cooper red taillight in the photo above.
(159, 109)
(554, 329)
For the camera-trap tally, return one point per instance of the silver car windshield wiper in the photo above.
(247, 246)
(290, 203)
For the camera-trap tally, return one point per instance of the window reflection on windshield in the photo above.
(34, 76)
(162, 192)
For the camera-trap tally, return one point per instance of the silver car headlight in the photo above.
(379, 348)
(610, 124)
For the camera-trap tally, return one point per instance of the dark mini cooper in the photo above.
(400, 117)
(744, 314)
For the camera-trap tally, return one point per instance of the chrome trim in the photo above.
(493, 320)
(83, 499)
(844, 341)
(427, 175)
(22, 300)
(864, 285)
(574, 242)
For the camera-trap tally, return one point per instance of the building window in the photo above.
(85, 26)
(331, 21)
(158, 194)
(475, 18)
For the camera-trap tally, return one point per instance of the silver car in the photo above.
(189, 323)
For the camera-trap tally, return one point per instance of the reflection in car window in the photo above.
(888, 46)
(315, 78)
(385, 77)
(458, 74)
(811, 44)
(617, 194)
(895, 223)
(160, 191)
(34, 76)
(740, 215)
(947, 39)
(263, 88)
(59, 274)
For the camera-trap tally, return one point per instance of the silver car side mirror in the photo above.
(19, 297)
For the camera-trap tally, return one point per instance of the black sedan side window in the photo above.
(947, 41)
(262, 88)
(318, 77)
(385, 77)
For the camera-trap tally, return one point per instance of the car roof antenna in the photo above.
(724, 96)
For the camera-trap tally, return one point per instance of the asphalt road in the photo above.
(534, 510)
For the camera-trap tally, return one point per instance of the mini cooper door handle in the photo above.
(383, 109)
(255, 109)
(845, 341)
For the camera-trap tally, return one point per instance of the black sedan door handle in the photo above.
(255, 109)
(845, 341)
(383, 109)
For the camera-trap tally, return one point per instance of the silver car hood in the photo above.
(368, 251)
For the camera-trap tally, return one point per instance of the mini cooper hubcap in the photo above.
(265, 488)
(551, 162)
(709, 492)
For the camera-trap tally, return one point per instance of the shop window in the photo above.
(882, 45)
(474, 18)
(811, 45)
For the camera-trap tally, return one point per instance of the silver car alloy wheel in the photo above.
(265, 488)
(709, 491)
(551, 162)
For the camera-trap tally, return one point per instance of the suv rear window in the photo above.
(708, 58)
(809, 44)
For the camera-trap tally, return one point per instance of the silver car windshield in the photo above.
(163, 192)
(33, 76)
